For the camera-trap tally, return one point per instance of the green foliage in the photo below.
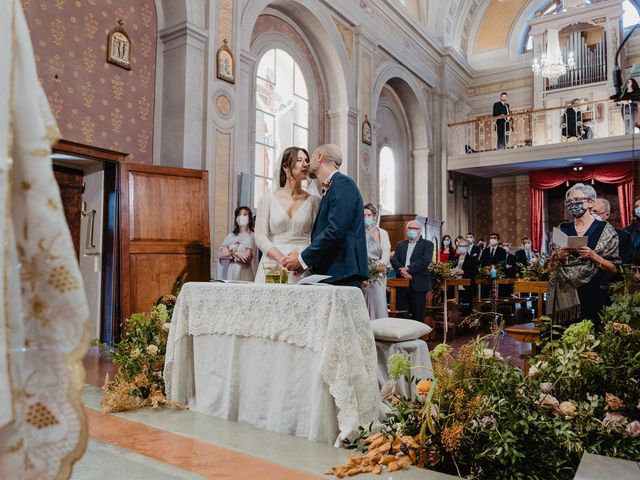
(483, 419)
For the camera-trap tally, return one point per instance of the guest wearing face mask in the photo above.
(447, 251)
(237, 254)
(510, 268)
(634, 230)
(602, 211)
(378, 249)
(579, 280)
(474, 250)
(466, 266)
(411, 260)
(526, 256)
(493, 254)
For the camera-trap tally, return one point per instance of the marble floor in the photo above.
(168, 444)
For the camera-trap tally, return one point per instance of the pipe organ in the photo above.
(589, 48)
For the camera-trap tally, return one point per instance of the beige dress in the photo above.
(274, 228)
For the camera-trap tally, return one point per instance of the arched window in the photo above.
(282, 114)
(387, 180)
(550, 8)
(630, 14)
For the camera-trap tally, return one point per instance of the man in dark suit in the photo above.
(502, 124)
(602, 210)
(338, 246)
(493, 254)
(411, 260)
(526, 255)
(473, 249)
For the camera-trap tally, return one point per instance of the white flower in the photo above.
(567, 409)
(491, 353)
(549, 401)
(633, 429)
(152, 349)
(545, 387)
(613, 419)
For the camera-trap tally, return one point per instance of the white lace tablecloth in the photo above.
(293, 359)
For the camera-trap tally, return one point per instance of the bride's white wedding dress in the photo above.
(274, 228)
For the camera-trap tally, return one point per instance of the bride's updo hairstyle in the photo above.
(289, 159)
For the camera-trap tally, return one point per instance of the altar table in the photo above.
(292, 359)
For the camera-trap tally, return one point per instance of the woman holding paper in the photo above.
(577, 287)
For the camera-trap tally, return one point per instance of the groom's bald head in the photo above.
(330, 152)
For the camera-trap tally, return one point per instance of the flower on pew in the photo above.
(538, 271)
(440, 272)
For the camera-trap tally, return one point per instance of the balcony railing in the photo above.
(545, 126)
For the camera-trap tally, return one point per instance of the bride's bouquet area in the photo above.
(481, 418)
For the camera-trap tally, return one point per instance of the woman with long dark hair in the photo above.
(285, 217)
(447, 250)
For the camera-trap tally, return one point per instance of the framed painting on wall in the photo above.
(225, 66)
(119, 47)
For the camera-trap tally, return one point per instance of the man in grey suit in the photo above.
(411, 260)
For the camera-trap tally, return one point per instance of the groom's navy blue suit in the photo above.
(338, 245)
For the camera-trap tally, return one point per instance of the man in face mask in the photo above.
(466, 267)
(526, 255)
(474, 250)
(634, 230)
(601, 211)
(510, 268)
(493, 254)
(411, 260)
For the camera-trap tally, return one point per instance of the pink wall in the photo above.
(97, 103)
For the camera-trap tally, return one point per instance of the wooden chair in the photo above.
(392, 284)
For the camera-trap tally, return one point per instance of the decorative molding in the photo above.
(224, 105)
(347, 37)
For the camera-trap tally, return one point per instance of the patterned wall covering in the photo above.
(70, 184)
(512, 211)
(97, 103)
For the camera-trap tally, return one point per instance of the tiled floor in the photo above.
(167, 444)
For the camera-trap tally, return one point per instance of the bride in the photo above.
(284, 219)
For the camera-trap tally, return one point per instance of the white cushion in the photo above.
(398, 329)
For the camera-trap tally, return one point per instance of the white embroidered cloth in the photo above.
(332, 322)
(44, 315)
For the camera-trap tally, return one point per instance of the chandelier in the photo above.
(551, 65)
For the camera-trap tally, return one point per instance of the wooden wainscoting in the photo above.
(164, 232)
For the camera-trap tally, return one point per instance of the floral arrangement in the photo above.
(140, 359)
(440, 272)
(538, 271)
(277, 274)
(481, 418)
(377, 271)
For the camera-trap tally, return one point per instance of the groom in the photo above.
(338, 247)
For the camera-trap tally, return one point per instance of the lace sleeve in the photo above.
(262, 233)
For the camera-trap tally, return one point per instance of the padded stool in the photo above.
(401, 335)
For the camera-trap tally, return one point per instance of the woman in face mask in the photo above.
(379, 253)
(577, 287)
(447, 250)
(634, 230)
(237, 254)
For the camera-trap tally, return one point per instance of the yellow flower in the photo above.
(423, 387)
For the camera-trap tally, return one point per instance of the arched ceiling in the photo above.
(496, 24)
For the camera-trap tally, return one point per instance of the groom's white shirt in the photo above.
(304, 265)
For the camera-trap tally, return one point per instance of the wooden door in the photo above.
(164, 232)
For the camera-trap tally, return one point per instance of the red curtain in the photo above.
(620, 174)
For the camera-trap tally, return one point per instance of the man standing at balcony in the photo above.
(502, 124)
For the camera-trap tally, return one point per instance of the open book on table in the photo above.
(314, 280)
